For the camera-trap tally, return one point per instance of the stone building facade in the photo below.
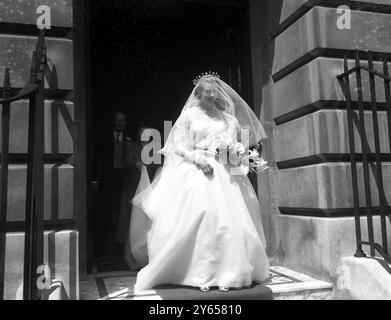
(307, 196)
(297, 51)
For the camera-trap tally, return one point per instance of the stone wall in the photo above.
(17, 41)
(309, 185)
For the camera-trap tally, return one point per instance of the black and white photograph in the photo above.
(195, 150)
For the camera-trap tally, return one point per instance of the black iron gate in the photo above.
(371, 159)
(34, 92)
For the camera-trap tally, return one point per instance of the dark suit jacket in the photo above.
(132, 155)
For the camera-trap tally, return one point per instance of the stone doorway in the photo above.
(144, 57)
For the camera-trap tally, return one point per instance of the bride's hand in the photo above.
(204, 165)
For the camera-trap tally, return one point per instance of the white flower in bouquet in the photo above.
(222, 142)
(256, 163)
(259, 166)
(236, 153)
(253, 155)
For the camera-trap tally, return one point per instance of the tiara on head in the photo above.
(197, 80)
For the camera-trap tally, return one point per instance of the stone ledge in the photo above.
(60, 254)
(59, 123)
(317, 81)
(16, 52)
(315, 246)
(326, 186)
(318, 29)
(323, 132)
(363, 279)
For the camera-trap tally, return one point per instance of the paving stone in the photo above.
(26, 11)
(60, 254)
(58, 192)
(287, 284)
(315, 246)
(88, 290)
(318, 29)
(325, 131)
(326, 186)
(59, 117)
(316, 81)
(16, 52)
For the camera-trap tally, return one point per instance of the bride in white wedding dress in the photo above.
(206, 226)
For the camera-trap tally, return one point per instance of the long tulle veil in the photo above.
(234, 105)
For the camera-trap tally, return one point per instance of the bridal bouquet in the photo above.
(222, 143)
(256, 163)
(236, 153)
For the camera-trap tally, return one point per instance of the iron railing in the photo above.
(33, 245)
(370, 160)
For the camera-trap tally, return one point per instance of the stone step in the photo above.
(287, 284)
(284, 284)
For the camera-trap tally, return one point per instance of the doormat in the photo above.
(256, 292)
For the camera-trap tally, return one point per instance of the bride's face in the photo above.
(209, 94)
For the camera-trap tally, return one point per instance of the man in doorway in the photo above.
(108, 182)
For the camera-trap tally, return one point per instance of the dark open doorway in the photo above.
(145, 54)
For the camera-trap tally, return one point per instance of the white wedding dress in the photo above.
(206, 231)
(136, 245)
